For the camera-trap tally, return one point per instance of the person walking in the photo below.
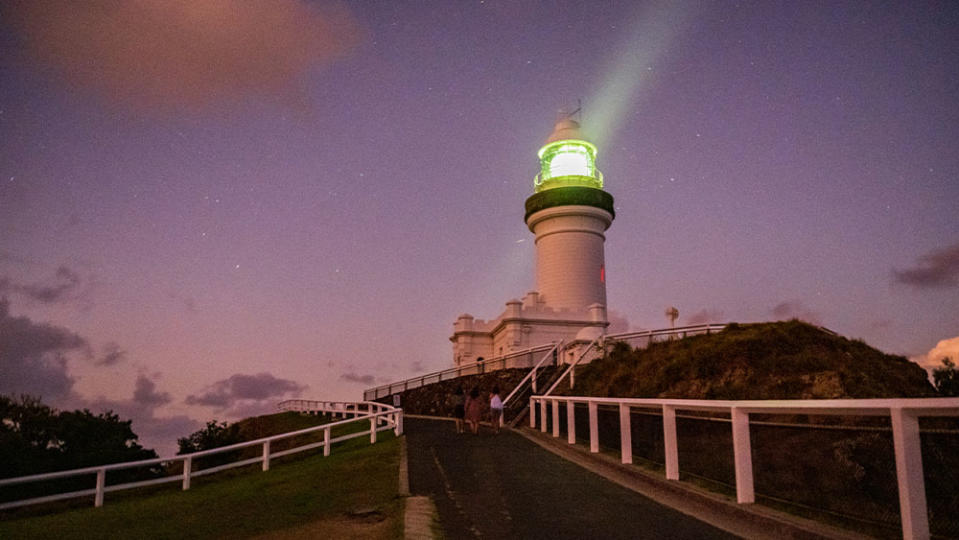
(459, 408)
(496, 409)
(474, 410)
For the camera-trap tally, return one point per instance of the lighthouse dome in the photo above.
(564, 130)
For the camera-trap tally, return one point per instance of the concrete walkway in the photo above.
(504, 486)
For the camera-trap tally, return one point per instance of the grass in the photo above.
(307, 497)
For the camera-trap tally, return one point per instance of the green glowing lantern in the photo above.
(567, 160)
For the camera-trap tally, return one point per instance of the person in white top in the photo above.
(496, 409)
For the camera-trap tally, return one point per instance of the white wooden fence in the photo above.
(904, 414)
(381, 417)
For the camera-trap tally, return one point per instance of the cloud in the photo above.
(157, 432)
(354, 377)
(33, 356)
(177, 54)
(112, 355)
(33, 360)
(794, 309)
(240, 391)
(946, 348)
(704, 316)
(146, 395)
(61, 288)
(937, 269)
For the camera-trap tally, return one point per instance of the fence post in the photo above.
(326, 442)
(743, 457)
(625, 434)
(555, 418)
(101, 484)
(572, 377)
(542, 414)
(669, 442)
(912, 489)
(372, 430)
(187, 471)
(398, 423)
(266, 456)
(593, 426)
(570, 422)
(532, 413)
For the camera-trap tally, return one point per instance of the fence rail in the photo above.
(494, 363)
(381, 417)
(903, 413)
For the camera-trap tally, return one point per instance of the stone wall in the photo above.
(437, 399)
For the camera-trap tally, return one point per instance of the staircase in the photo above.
(517, 407)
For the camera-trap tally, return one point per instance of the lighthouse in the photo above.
(568, 213)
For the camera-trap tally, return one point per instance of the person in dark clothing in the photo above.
(474, 410)
(459, 408)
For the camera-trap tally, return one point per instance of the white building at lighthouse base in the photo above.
(525, 324)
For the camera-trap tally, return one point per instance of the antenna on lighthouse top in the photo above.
(563, 115)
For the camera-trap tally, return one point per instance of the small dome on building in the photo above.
(590, 333)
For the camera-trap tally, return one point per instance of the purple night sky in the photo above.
(206, 207)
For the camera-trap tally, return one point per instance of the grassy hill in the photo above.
(780, 360)
(351, 493)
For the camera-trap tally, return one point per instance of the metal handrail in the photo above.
(391, 417)
(708, 327)
(532, 372)
(572, 365)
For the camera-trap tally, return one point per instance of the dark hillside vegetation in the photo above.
(780, 360)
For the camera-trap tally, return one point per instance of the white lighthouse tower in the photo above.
(568, 213)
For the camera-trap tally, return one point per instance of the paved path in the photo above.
(504, 486)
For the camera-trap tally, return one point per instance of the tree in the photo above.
(89, 439)
(35, 438)
(27, 437)
(214, 435)
(946, 378)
